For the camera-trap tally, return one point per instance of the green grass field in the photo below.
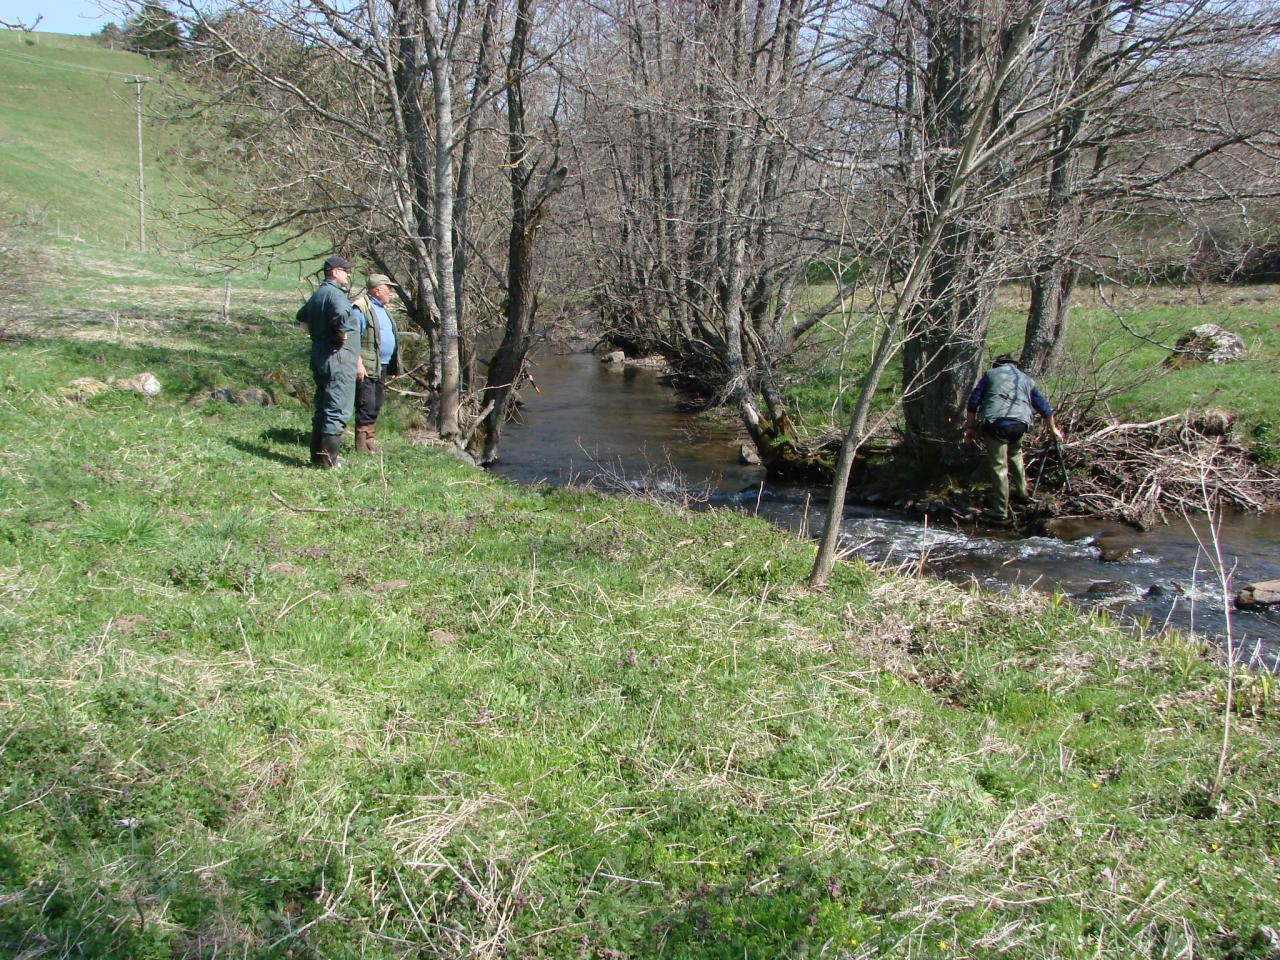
(251, 709)
(69, 135)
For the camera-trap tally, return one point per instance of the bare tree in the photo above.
(704, 120)
(351, 121)
(988, 113)
(531, 191)
(1191, 135)
(20, 25)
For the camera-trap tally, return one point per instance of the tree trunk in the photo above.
(438, 62)
(507, 366)
(1055, 275)
(466, 167)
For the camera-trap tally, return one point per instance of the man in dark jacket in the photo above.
(330, 320)
(379, 357)
(1003, 404)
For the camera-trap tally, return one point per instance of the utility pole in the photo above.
(142, 188)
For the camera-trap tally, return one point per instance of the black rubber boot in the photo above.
(330, 444)
(315, 447)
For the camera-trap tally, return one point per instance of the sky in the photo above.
(60, 16)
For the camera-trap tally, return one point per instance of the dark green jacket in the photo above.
(327, 314)
(1008, 396)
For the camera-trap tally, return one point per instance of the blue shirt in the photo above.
(386, 331)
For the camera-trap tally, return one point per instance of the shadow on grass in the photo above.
(287, 435)
(266, 453)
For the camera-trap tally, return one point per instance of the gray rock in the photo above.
(1208, 343)
(749, 455)
(144, 383)
(1266, 938)
(253, 396)
(1106, 588)
(459, 454)
(256, 397)
(616, 357)
(651, 362)
(1114, 552)
(1259, 596)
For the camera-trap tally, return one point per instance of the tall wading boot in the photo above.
(330, 444)
(315, 446)
(364, 439)
(369, 445)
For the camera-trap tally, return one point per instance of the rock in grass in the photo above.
(144, 383)
(252, 397)
(1259, 596)
(1206, 343)
(256, 397)
(82, 388)
(1268, 939)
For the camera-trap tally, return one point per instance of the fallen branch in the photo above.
(286, 503)
(1121, 428)
(471, 431)
(1139, 473)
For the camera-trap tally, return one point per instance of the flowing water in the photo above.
(593, 420)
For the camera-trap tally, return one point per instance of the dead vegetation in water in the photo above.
(1144, 473)
(658, 482)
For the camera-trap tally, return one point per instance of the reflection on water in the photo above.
(591, 419)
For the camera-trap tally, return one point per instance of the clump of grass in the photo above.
(122, 525)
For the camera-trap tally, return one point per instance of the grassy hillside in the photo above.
(250, 709)
(69, 137)
(68, 190)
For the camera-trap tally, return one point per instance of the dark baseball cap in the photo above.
(336, 262)
(1003, 359)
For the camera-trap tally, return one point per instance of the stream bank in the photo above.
(622, 428)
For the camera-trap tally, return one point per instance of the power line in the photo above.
(71, 67)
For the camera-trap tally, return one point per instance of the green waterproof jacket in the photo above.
(327, 315)
(1008, 396)
(371, 340)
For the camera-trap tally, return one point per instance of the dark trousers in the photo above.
(369, 394)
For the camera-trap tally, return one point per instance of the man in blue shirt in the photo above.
(1003, 404)
(379, 357)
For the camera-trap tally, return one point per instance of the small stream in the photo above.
(592, 420)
